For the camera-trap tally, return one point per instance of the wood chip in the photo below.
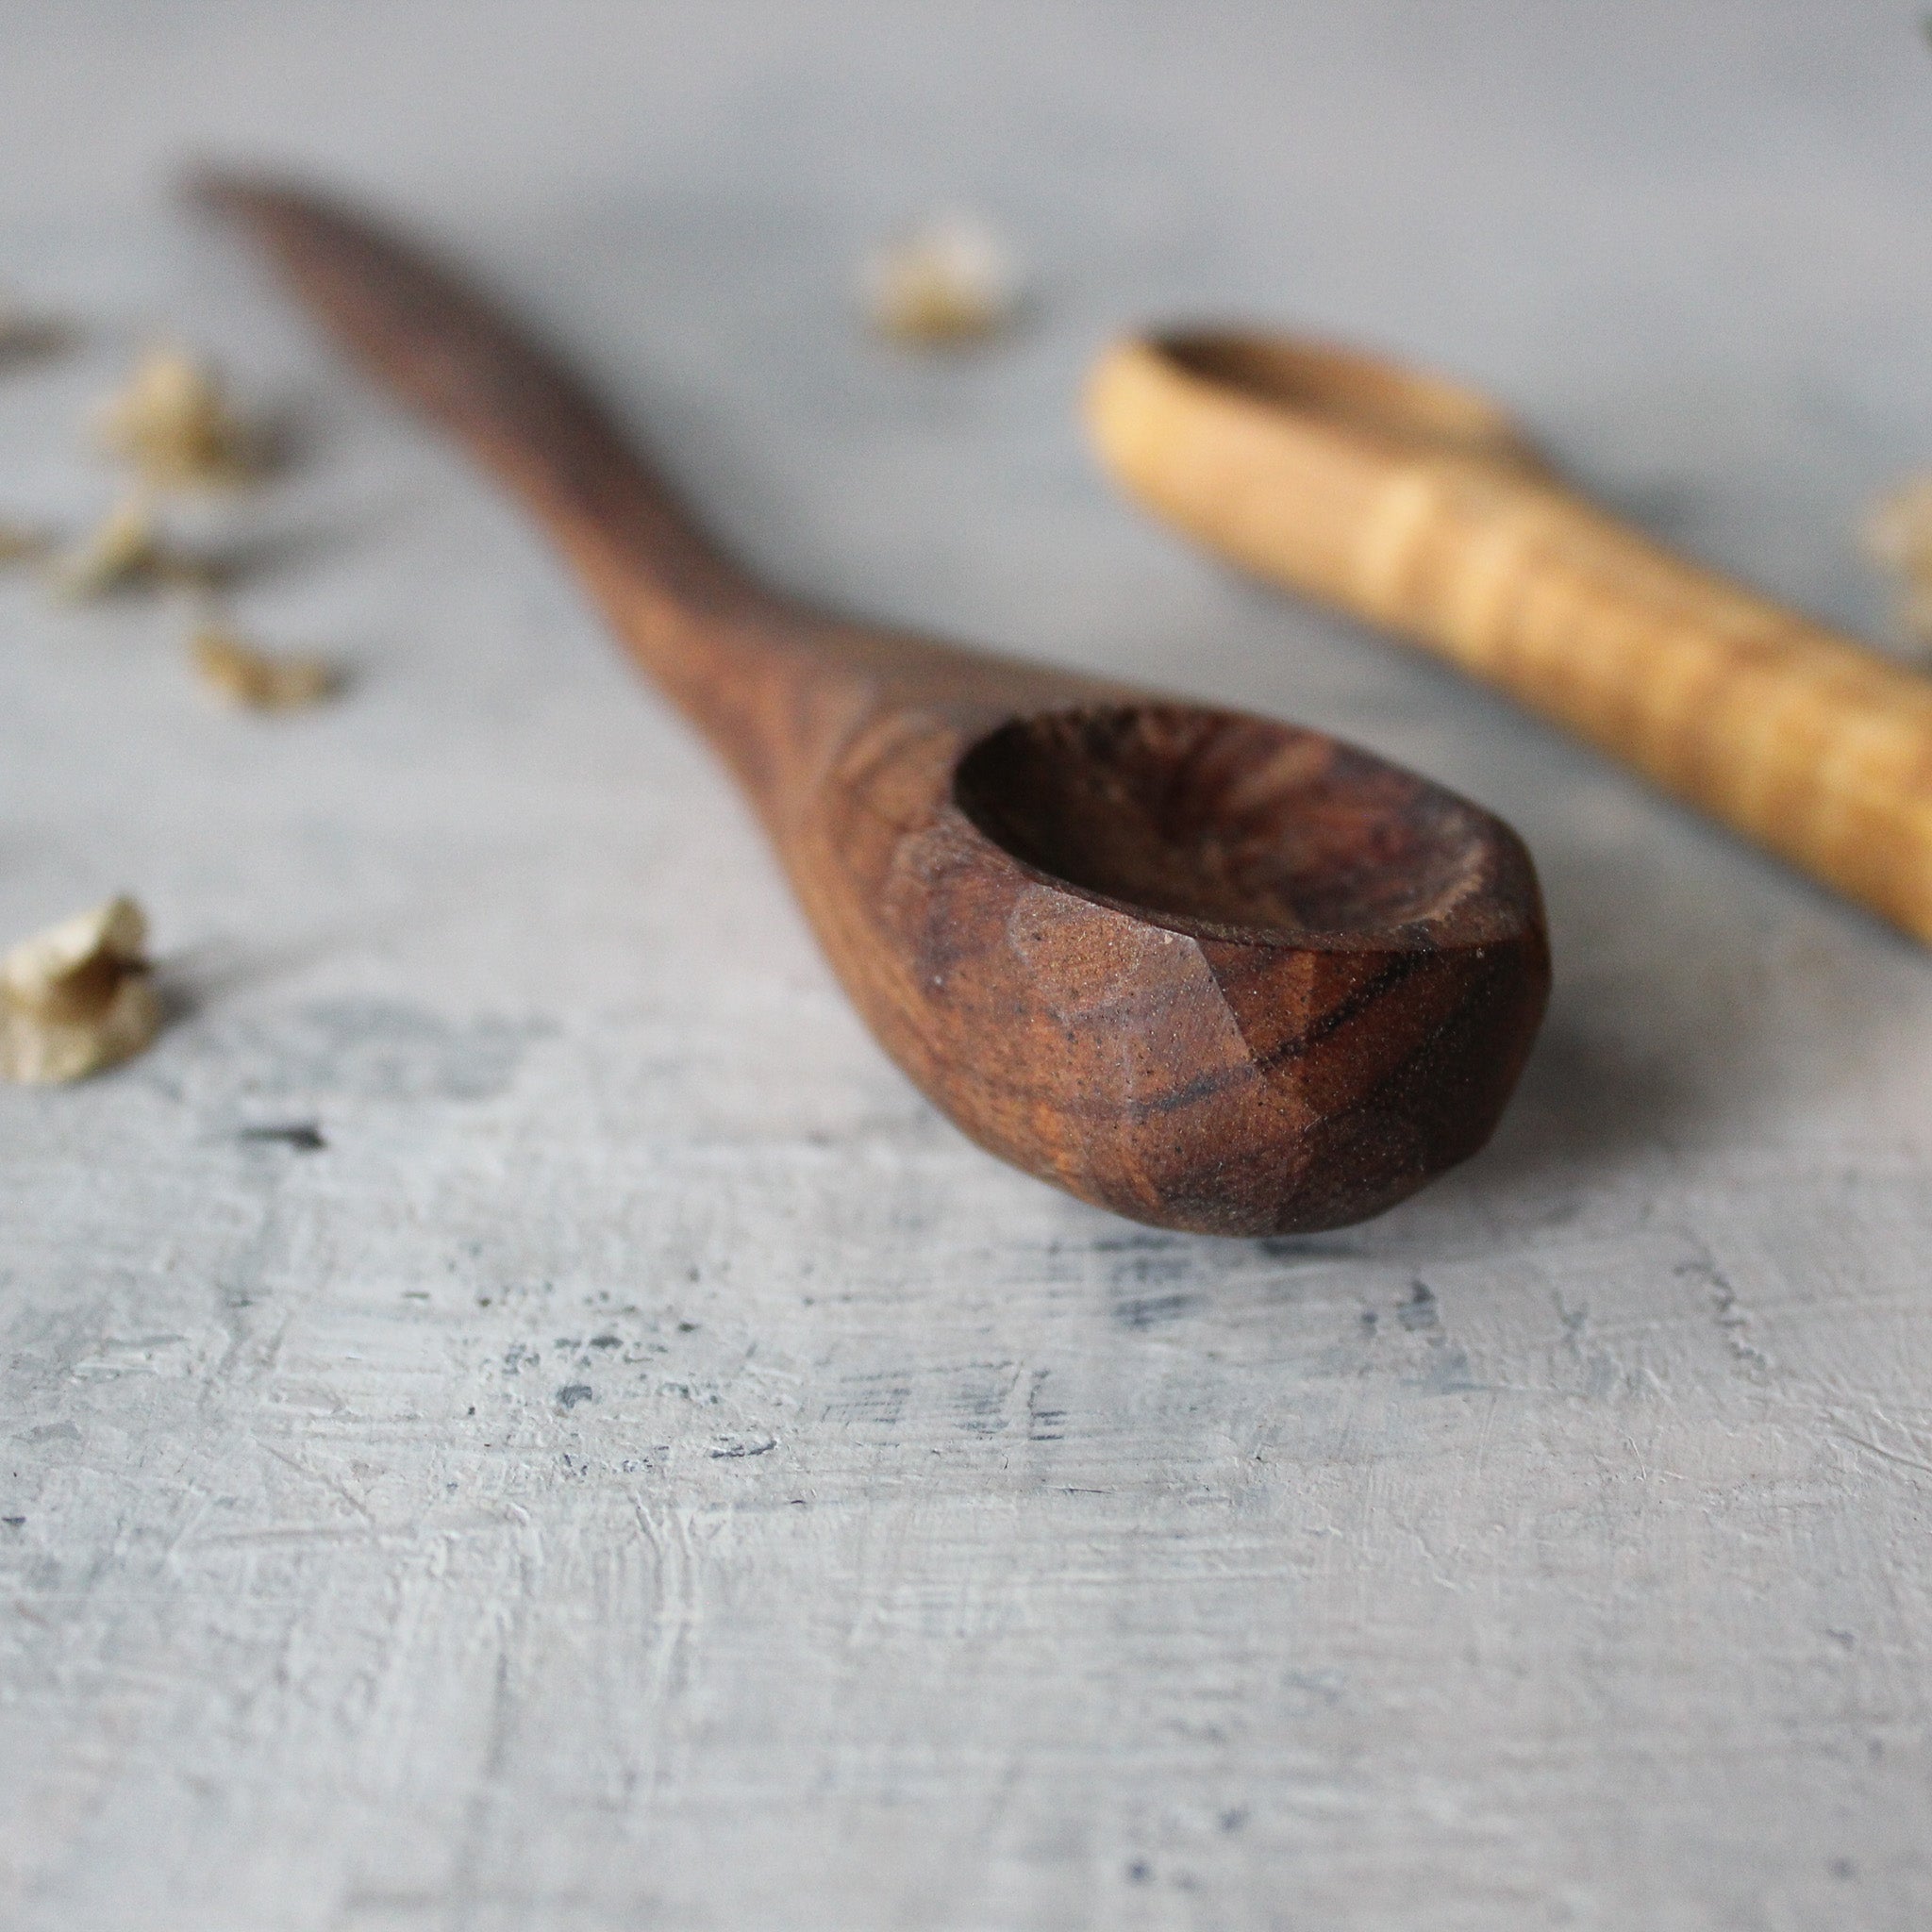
(173, 424)
(254, 679)
(1898, 534)
(125, 551)
(78, 997)
(945, 284)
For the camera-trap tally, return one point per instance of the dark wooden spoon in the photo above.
(1208, 970)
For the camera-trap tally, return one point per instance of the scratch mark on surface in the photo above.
(303, 1137)
(1143, 1312)
(1732, 1318)
(1888, 1455)
(1043, 1424)
(329, 1482)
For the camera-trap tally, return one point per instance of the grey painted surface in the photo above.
(644, 1468)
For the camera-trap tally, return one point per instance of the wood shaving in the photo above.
(78, 997)
(125, 551)
(174, 423)
(947, 283)
(1898, 534)
(257, 680)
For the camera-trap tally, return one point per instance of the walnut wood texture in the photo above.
(1417, 505)
(1211, 972)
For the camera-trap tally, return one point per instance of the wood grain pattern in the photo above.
(1417, 505)
(1211, 972)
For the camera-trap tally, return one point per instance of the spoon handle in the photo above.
(1413, 505)
(693, 616)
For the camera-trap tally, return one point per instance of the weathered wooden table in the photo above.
(643, 1469)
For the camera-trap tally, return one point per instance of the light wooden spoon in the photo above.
(1208, 970)
(1417, 503)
